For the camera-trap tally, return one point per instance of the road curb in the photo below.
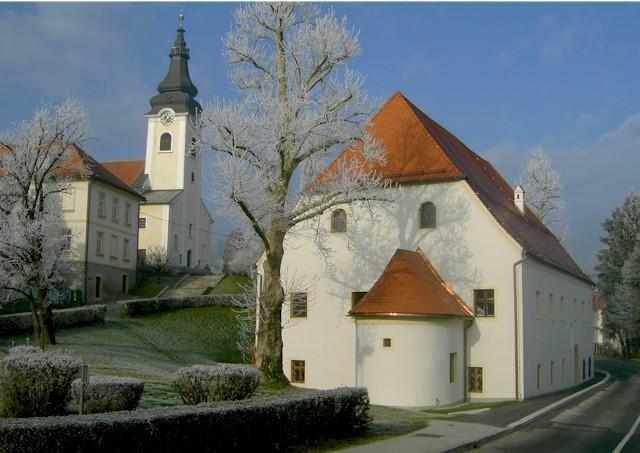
(518, 424)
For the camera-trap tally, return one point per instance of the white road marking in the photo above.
(626, 438)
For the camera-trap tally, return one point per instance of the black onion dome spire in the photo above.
(177, 91)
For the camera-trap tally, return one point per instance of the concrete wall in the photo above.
(414, 370)
(555, 324)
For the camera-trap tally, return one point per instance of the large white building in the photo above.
(173, 215)
(454, 290)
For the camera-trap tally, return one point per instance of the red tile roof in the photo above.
(410, 286)
(81, 164)
(127, 170)
(420, 150)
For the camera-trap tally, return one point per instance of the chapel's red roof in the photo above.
(419, 150)
(410, 286)
(127, 170)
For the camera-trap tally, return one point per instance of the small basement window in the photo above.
(386, 342)
(297, 371)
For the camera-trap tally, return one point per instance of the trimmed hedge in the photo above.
(137, 307)
(36, 383)
(222, 382)
(273, 424)
(109, 394)
(67, 317)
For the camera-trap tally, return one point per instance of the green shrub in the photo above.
(68, 317)
(109, 394)
(222, 382)
(275, 424)
(36, 383)
(137, 307)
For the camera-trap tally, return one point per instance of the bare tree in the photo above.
(299, 102)
(157, 259)
(38, 158)
(544, 192)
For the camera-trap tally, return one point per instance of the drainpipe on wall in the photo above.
(515, 321)
(86, 244)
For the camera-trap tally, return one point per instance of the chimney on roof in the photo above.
(518, 198)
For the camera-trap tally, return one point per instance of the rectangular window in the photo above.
(475, 379)
(190, 231)
(102, 197)
(539, 375)
(100, 244)
(98, 288)
(114, 246)
(552, 308)
(127, 214)
(115, 210)
(125, 283)
(562, 308)
(575, 310)
(584, 317)
(66, 239)
(142, 223)
(551, 370)
(356, 297)
(68, 200)
(297, 371)
(142, 256)
(483, 302)
(299, 305)
(125, 249)
(452, 367)
(386, 342)
(538, 306)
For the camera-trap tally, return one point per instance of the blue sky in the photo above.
(503, 77)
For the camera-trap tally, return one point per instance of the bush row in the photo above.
(67, 317)
(138, 307)
(109, 394)
(267, 424)
(34, 383)
(203, 383)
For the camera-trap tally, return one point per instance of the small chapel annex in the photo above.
(455, 290)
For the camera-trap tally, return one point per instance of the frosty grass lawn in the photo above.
(152, 347)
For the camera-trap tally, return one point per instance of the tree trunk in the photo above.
(42, 317)
(269, 347)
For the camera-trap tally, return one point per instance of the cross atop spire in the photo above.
(177, 91)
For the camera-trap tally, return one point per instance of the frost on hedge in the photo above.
(22, 349)
(202, 383)
(109, 394)
(36, 383)
(275, 423)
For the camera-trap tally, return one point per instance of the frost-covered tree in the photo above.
(157, 259)
(240, 253)
(299, 101)
(617, 263)
(37, 159)
(541, 183)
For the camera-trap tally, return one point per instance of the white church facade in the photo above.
(454, 290)
(173, 214)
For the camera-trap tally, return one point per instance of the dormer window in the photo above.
(339, 221)
(165, 142)
(427, 215)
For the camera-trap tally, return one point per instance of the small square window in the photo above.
(297, 371)
(299, 305)
(142, 223)
(483, 300)
(357, 297)
(386, 342)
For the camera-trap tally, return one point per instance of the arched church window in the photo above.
(165, 142)
(427, 215)
(338, 221)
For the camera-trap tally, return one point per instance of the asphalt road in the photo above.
(595, 424)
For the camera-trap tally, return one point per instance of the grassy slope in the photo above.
(150, 287)
(231, 284)
(151, 347)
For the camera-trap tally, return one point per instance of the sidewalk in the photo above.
(466, 430)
